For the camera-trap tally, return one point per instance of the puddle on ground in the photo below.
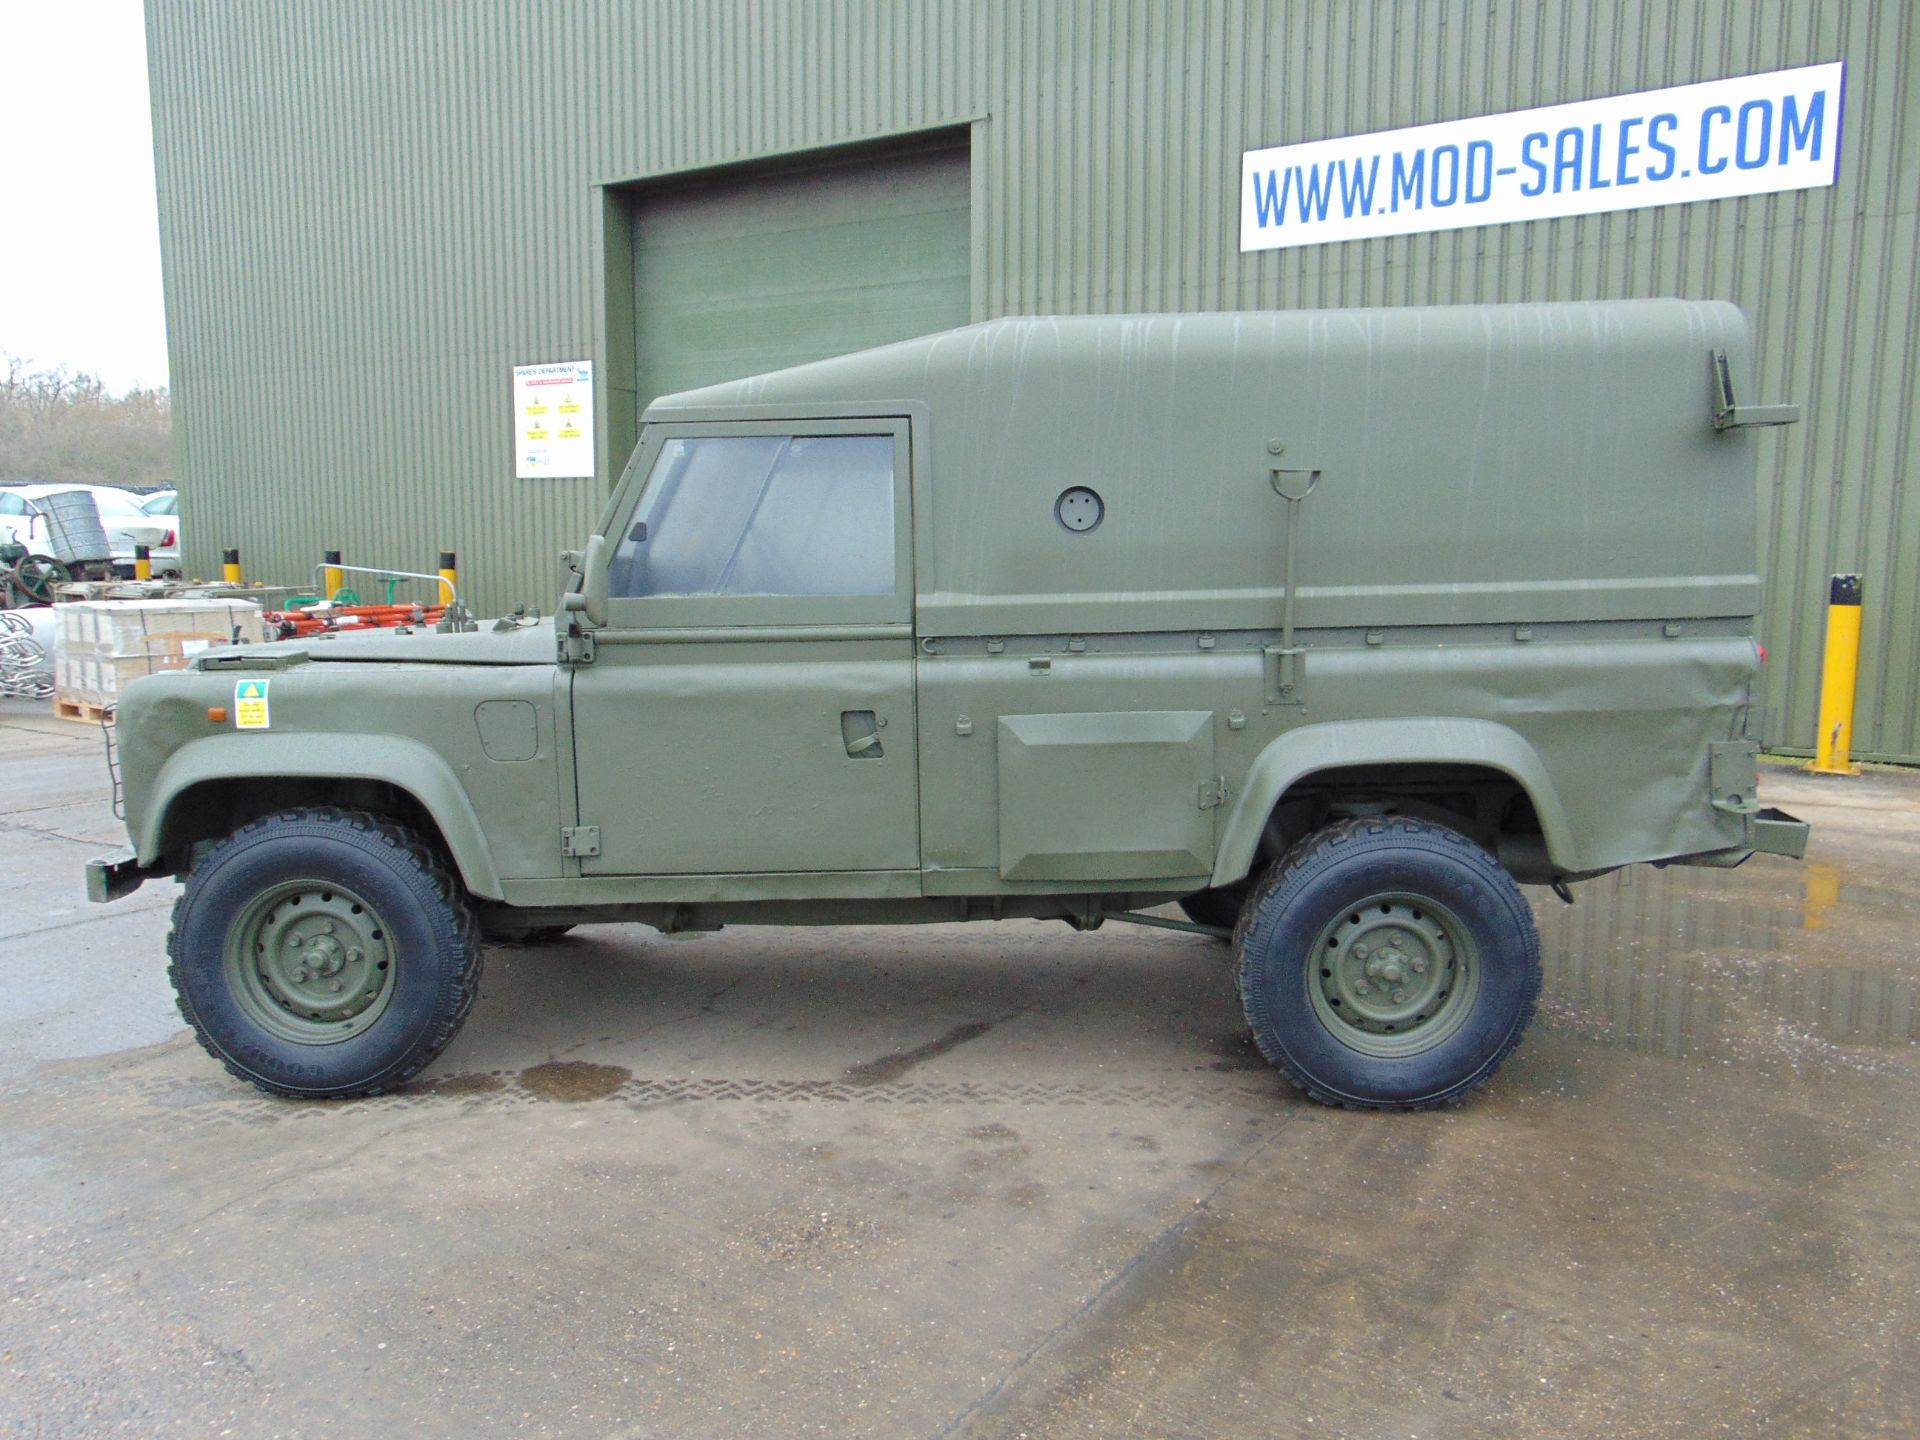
(573, 1080)
(1672, 962)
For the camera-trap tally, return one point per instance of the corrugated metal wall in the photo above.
(372, 208)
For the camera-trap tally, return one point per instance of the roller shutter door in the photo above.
(761, 270)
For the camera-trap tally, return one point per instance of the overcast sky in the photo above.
(79, 244)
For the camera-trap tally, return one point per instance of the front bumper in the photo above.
(111, 877)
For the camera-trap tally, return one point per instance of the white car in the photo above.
(121, 515)
(14, 519)
(164, 506)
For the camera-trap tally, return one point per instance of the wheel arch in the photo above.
(208, 787)
(1309, 750)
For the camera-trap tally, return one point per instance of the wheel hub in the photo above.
(1389, 974)
(313, 961)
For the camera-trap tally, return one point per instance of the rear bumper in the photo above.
(110, 877)
(1777, 833)
(1769, 832)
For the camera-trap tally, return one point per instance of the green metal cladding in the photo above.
(372, 209)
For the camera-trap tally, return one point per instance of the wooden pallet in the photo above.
(67, 708)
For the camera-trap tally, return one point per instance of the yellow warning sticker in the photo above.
(250, 705)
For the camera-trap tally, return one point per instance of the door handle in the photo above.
(860, 730)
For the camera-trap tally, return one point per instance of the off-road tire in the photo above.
(429, 931)
(1328, 876)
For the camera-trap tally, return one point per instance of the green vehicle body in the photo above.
(1493, 567)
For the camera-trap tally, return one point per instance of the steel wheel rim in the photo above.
(1393, 975)
(310, 962)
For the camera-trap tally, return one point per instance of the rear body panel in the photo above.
(1479, 464)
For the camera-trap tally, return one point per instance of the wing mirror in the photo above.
(590, 599)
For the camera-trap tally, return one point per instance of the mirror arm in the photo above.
(593, 589)
(586, 594)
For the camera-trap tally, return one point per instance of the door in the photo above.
(749, 708)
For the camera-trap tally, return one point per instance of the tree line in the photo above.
(56, 425)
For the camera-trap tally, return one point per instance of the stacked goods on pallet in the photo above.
(100, 646)
(258, 591)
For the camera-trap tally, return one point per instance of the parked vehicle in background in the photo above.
(164, 505)
(1329, 626)
(122, 515)
(16, 514)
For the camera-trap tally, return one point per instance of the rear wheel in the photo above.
(1388, 963)
(324, 953)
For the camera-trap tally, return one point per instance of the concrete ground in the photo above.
(976, 1181)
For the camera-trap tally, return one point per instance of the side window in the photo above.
(12, 504)
(763, 515)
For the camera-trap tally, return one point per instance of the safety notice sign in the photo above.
(553, 420)
(250, 705)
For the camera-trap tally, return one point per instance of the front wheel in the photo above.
(323, 953)
(1388, 964)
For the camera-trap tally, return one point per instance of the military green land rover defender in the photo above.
(1330, 627)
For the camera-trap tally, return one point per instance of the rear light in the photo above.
(170, 539)
(1761, 648)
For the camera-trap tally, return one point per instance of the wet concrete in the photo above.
(987, 1180)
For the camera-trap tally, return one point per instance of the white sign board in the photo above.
(1751, 135)
(553, 420)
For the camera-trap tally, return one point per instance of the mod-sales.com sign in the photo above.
(1751, 135)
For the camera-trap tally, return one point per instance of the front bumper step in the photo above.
(111, 877)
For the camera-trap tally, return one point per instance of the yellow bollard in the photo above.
(142, 563)
(230, 566)
(1833, 746)
(332, 579)
(449, 576)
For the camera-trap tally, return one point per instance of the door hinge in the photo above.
(580, 841)
(1213, 792)
(576, 646)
